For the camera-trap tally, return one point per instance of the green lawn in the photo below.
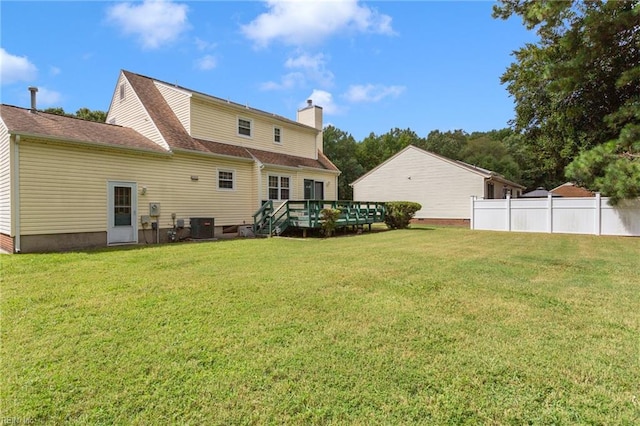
(432, 326)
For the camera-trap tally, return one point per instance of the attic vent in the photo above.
(122, 91)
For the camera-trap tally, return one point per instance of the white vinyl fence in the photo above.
(591, 215)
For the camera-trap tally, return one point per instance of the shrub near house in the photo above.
(400, 213)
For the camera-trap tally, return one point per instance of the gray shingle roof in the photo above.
(51, 126)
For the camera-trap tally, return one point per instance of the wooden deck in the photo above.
(306, 214)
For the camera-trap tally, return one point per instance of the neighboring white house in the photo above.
(442, 186)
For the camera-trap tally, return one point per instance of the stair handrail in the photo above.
(262, 215)
(273, 214)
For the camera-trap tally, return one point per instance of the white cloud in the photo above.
(308, 69)
(313, 67)
(15, 68)
(203, 44)
(154, 22)
(303, 22)
(372, 92)
(288, 81)
(47, 97)
(206, 63)
(325, 100)
(54, 70)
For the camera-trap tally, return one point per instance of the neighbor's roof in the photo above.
(539, 192)
(21, 121)
(487, 174)
(570, 189)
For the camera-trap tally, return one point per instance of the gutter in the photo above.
(16, 194)
(335, 172)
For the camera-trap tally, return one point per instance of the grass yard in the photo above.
(431, 326)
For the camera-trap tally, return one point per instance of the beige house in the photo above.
(442, 186)
(168, 157)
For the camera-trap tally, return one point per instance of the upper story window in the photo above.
(277, 135)
(244, 127)
(226, 179)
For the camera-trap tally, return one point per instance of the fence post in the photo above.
(550, 213)
(473, 212)
(508, 212)
(598, 215)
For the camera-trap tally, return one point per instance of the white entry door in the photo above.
(122, 215)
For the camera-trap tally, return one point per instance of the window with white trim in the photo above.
(279, 187)
(277, 135)
(244, 127)
(226, 179)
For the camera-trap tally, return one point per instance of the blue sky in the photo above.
(372, 66)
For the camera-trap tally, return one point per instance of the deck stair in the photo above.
(306, 214)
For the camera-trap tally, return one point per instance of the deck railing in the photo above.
(308, 214)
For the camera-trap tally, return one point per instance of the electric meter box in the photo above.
(154, 209)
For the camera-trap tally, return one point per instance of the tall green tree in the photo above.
(341, 148)
(490, 152)
(448, 144)
(577, 91)
(374, 149)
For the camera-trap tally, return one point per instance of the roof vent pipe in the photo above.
(33, 91)
(309, 103)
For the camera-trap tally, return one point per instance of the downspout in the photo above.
(16, 193)
(260, 198)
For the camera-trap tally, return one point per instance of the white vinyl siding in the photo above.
(80, 204)
(130, 112)
(219, 122)
(179, 101)
(443, 189)
(5, 180)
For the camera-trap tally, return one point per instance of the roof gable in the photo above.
(487, 174)
(161, 114)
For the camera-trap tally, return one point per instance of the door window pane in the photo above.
(122, 205)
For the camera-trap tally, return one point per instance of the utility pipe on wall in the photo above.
(16, 193)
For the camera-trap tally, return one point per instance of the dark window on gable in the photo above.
(244, 127)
